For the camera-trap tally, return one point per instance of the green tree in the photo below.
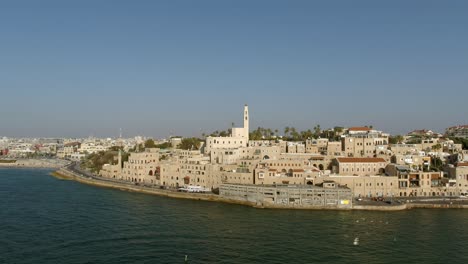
(317, 131)
(436, 147)
(150, 143)
(286, 131)
(306, 134)
(164, 145)
(436, 164)
(190, 144)
(294, 134)
(116, 148)
(95, 161)
(398, 139)
(338, 129)
(463, 141)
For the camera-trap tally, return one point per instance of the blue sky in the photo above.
(156, 68)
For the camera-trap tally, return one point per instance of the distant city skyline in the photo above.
(160, 68)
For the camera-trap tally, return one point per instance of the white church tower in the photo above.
(239, 137)
(242, 132)
(246, 121)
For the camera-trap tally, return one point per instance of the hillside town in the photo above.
(363, 160)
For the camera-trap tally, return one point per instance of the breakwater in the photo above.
(33, 163)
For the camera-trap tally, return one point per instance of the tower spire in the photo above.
(246, 121)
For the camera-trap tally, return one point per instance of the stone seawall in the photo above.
(34, 163)
(63, 173)
(66, 174)
(437, 206)
(380, 208)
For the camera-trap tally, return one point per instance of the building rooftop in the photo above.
(359, 129)
(359, 160)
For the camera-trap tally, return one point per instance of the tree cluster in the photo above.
(190, 143)
(217, 133)
(95, 161)
(463, 141)
(398, 139)
(289, 133)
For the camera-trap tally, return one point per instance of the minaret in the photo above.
(246, 121)
(119, 166)
(120, 159)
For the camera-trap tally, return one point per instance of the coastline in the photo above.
(65, 174)
(34, 164)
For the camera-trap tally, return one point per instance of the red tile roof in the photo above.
(360, 160)
(359, 129)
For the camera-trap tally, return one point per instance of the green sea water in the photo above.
(47, 220)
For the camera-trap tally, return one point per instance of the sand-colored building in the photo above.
(141, 167)
(359, 166)
(285, 172)
(363, 141)
(239, 137)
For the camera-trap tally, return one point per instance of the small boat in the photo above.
(356, 241)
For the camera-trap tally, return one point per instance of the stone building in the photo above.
(363, 142)
(359, 166)
(305, 196)
(141, 167)
(113, 171)
(297, 172)
(457, 131)
(239, 137)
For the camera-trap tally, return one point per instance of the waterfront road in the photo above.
(75, 167)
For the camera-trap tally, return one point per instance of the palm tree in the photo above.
(294, 134)
(317, 131)
(399, 139)
(286, 131)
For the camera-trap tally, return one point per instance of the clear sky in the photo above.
(156, 68)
